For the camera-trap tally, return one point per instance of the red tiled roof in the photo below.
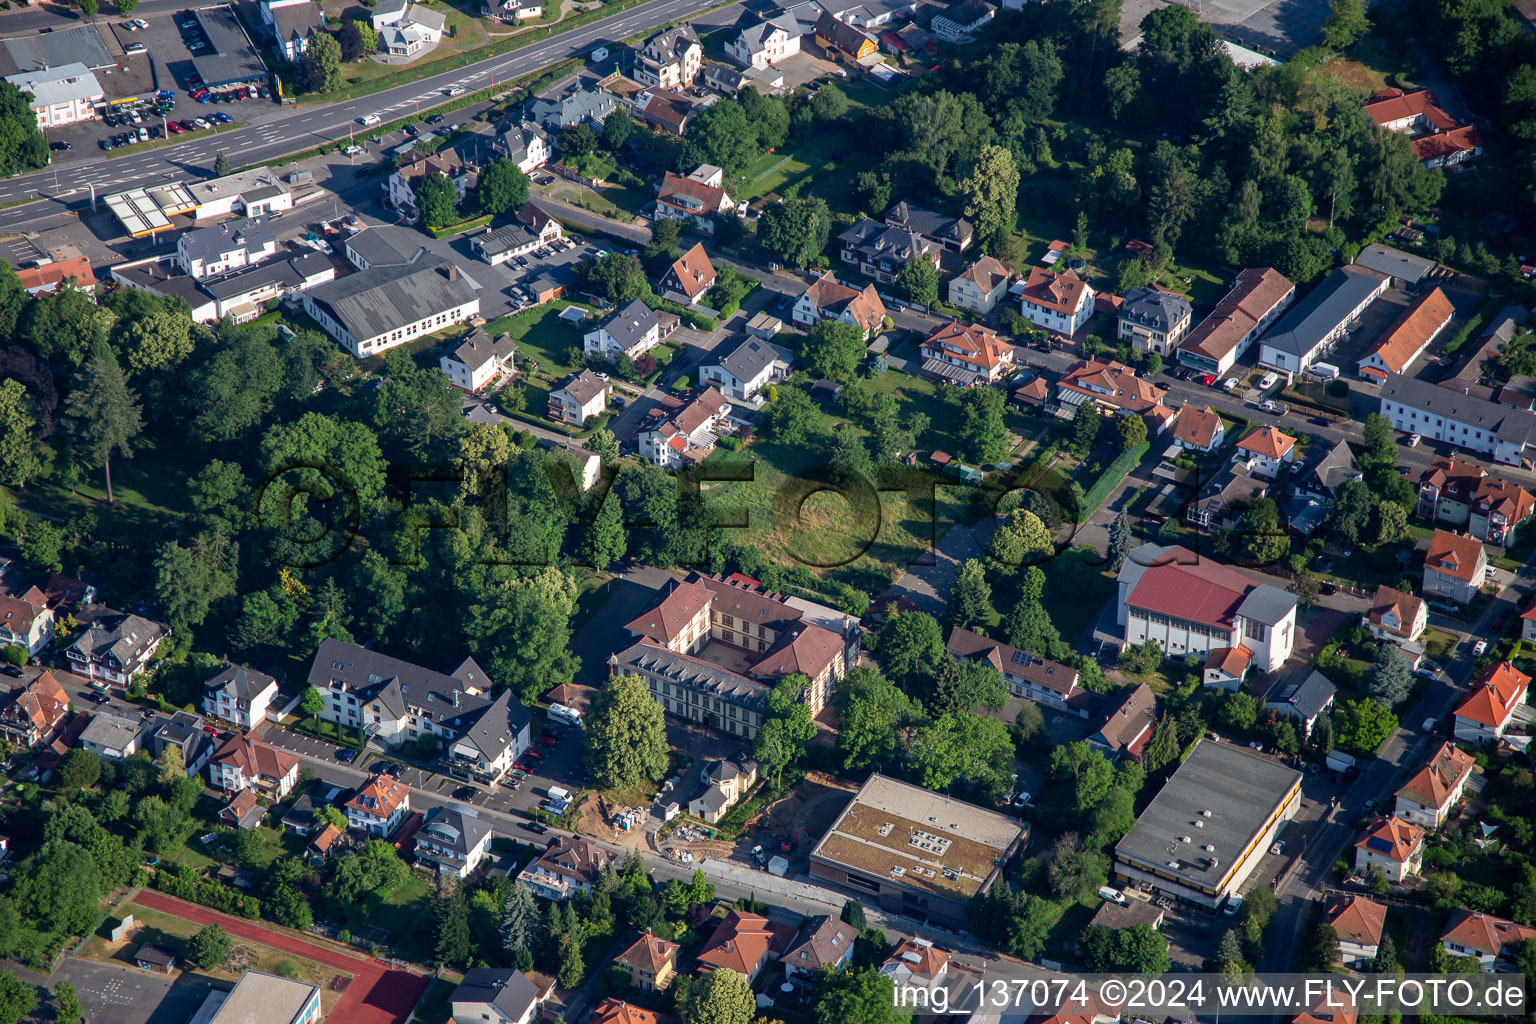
(1446, 771)
(1412, 331)
(254, 758)
(1114, 384)
(809, 650)
(1453, 477)
(1510, 500)
(43, 703)
(930, 959)
(1484, 932)
(380, 796)
(1201, 591)
(665, 620)
(1197, 427)
(1258, 291)
(1356, 919)
(691, 273)
(831, 298)
(1046, 674)
(1233, 661)
(672, 184)
(1268, 441)
(617, 1011)
(50, 275)
(1062, 292)
(986, 273)
(650, 954)
(970, 343)
(1496, 693)
(18, 614)
(742, 941)
(1389, 599)
(1453, 554)
(1392, 838)
(1395, 105)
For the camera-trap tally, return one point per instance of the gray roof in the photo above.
(386, 245)
(243, 682)
(119, 636)
(183, 729)
(380, 299)
(1267, 604)
(233, 58)
(1332, 470)
(1238, 788)
(584, 386)
(479, 348)
(573, 108)
(1308, 691)
(297, 20)
(112, 732)
(967, 13)
(823, 941)
(927, 223)
(1513, 426)
(301, 814)
(670, 44)
(514, 138)
(1154, 308)
(82, 44)
(1394, 262)
(503, 239)
(480, 719)
(252, 235)
(290, 274)
(1306, 324)
(456, 827)
(693, 673)
(751, 357)
(755, 33)
(628, 325)
(874, 241)
(726, 769)
(503, 987)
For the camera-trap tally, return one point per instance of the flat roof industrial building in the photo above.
(914, 851)
(82, 44)
(234, 59)
(1205, 831)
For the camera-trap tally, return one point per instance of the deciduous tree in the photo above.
(626, 735)
(502, 187)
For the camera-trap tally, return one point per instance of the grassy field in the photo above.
(149, 488)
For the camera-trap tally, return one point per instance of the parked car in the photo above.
(11, 670)
(1277, 848)
(1413, 440)
(1230, 384)
(58, 145)
(435, 119)
(1268, 381)
(1427, 670)
(1479, 648)
(346, 755)
(1208, 379)
(1327, 589)
(535, 827)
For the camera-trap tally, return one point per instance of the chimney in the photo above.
(455, 698)
(453, 272)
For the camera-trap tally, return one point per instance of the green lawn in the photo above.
(149, 489)
(1076, 588)
(772, 172)
(438, 1004)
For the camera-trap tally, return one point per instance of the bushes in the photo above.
(208, 894)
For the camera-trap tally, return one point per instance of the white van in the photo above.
(564, 713)
(1326, 371)
(559, 795)
(1112, 895)
(368, 119)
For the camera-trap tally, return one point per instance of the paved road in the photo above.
(306, 126)
(377, 995)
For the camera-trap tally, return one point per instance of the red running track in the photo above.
(377, 995)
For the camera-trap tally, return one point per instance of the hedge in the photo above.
(1473, 324)
(208, 894)
(691, 317)
(1110, 479)
(461, 226)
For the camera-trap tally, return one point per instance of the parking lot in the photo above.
(498, 298)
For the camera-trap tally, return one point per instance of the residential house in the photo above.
(669, 439)
(49, 275)
(824, 942)
(239, 695)
(581, 105)
(1455, 567)
(979, 286)
(1452, 414)
(1124, 726)
(617, 1011)
(1448, 488)
(112, 736)
(879, 251)
(842, 41)
(763, 42)
(952, 233)
(721, 784)
(1192, 605)
(186, 732)
(1318, 322)
(688, 278)
(1359, 924)
(568, 864)
(407, 29)
(966, 354)
(1323, 479)
(326, 843)
(1408, 337)
(961, 20)
(533, 230)
(1303, 695)
(865, 13)
(632, 330)
(479, 359)
(651, 961)
(916, 964)
(292, 23)
(580, 398)
(826, 299)
(114, 646)
(1117, 391)
(696, 199)
(245, 763)
(743, 943)
(416, 165)
(300, 817)
(1393, 845)
(1061, 303)
(1260, 295)
(244, 811)
(452, 841)
(377, 309)
(668, 111)
(1397, 617)
(1199, 430)
(1426, 799)
(378, 806)
(26, 621)
(1437, 139)
(34, 715)
(1027, 675)
(1225, 497)
(1154, 320)
(212, 252)
(1265, 451)
(1493, 941)
(1498, 692)
(670, 59)
(1225, 668)
(742, 374)
(495, 995)
(1498, 508)
(481, 729)
(525, 143)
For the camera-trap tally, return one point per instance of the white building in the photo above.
(1193, 606)
(1487, 713)
(746, 370)
(1317, 323)
(212, 252)
(376, 309)
(495, 996)
(1265, 451)
(630, 331)
(686, 436)
(479, 359)
(61, 95)
(1061, 303)
(292, 23)
(378, 806)
(239, 695)
(26, 621)
(525, 144)
(765, 43)
(453, 841)
(112, 736)
(580, 398)
(243, 763)
(1394, 846)
(1453, 416)
(1426, 799)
